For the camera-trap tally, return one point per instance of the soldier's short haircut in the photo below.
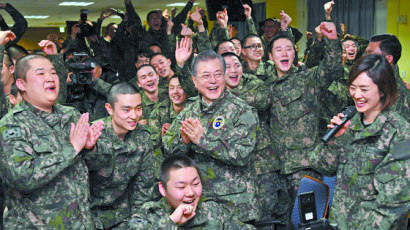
(23, 66)
(145, 65)
(173, 163)
(143, 52)
(279, 36)
(230, 54)
(380, 71)
(120, 88)
(249, 36)
(157, 54)
(206, 56)
(389, 44)
(220, 43)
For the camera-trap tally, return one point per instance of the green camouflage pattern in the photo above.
(121, 174)
(45, 181)
(148, 105)
(209, 215)
(295, 110)
(225, 156)
(372, 166)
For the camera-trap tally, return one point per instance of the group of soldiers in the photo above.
(188, 116)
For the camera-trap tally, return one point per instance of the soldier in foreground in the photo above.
(181, 206)
(44, 176)
(121, 168)
(219, 131)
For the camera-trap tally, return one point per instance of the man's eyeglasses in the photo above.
(216, 76)
(254, 47)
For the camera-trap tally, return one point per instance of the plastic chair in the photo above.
(331, 182)
(321, 192)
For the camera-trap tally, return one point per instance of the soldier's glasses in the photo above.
(208, 76)
(254, 47)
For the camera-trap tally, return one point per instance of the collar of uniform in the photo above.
(51, 119)
(117, 143)
(360, 131)
(215, 104)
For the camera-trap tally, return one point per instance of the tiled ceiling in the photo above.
(60, 14)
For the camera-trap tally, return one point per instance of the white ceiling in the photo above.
(60, 14)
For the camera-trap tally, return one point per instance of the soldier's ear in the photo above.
(162, 190)
(20, 83)
(108, 107)
(11, 69)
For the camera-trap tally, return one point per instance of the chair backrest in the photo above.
(331, 182)
(321, 191)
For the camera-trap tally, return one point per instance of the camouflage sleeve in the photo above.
(21, 165)
(172, 141)
(314, 56)
(309, 43)
(101, 86)
(62, 72)
(185, 79)
(172, 39)
(254, 92)
(144, 181)
(250, 24)
(139, 222)
(392, 183)
(332, 64)
(218, 34)
(234, 147)
(323, 159)
(203, 42)
(20, 22)
(155, 125)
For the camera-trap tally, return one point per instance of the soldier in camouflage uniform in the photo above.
(121, 168)
(389, 46)
(147, 80)
(371, 159)
(294, 110)
(165, 112)
(219, 131)
(45, 177)
(182, 206)
(162, 66)
(272, 193)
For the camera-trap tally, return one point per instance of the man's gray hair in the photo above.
(206, 56)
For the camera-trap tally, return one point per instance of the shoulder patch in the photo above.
(10, 132)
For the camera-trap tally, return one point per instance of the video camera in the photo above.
(85, 28)
(81, 77)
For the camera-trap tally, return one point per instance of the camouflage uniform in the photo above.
(333, 99)
(121, 175)
(372, 166)
(402, 105)
(267, 163)
(294, 111)
(225, 154)
(209, 215)
(45, 181)
(162, 113)
(148, 105)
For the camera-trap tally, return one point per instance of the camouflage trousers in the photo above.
(273, 198)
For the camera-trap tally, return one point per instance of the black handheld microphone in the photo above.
(349, 112)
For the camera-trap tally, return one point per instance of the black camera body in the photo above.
(81, 77)
(85, 28)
